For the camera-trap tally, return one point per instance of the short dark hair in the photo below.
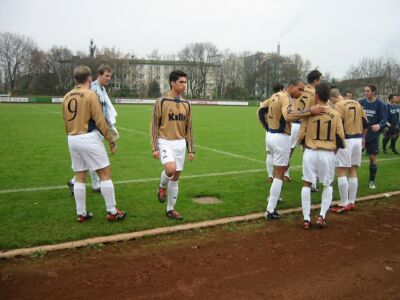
(278, 87)
(295, 81)
(372, 87)
(102, 68)
(82, 73)
(349, 92)
(314, 75)
(323, 90)
(174, 76)
(391, 96)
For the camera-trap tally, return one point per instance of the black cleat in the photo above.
(96, 190)
(272, 216)
(314, 190)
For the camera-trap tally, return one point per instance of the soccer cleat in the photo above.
(321, 222)
(352, 206)
(71, 187)
(307, 224)
(270, 179)
(98, 190)
(162, 194)
(372, 185)
(272, 216)
(336, 208)
(314, 190)
(118, 216)
(84, 218)
(280, 200)
(173, 214)
(287, 178)
(348, 207)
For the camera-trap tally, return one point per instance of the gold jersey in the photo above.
(279, 111)
(172, 120)
(82, 113)
(323, 132)
(354, 118)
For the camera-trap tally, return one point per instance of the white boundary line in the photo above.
(140, 180)
(165, 230)
(47, 110)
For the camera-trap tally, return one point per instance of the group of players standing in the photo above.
(333, 131)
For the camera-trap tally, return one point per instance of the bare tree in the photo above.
(199, 59)
(15, 52)
(60, 61)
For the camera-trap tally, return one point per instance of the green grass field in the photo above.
(37, 208)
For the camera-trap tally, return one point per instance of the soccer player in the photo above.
(321, 136)
(349, 95)
(349, 159)
(110, 114)
(85, 125)
(280, 114)
(262, 114)
(375, 110)
(171, 133)
(306, 101)
(391, 132)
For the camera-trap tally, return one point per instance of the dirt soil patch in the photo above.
(356, 256)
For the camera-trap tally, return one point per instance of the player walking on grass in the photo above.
(321, 135)
(391, 132)
(171, 134)
(110, 114)
(355, 125)
(86, 126)
(280, 114)
(375, 110)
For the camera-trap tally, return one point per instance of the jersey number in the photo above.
(354, 109)
(73, 108)
(328, 135)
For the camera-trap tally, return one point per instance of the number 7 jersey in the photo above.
(324, 132)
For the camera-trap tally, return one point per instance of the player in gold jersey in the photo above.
(280, 112)
(171, 134)
(349, 159)
(85, 125)
(321, 135)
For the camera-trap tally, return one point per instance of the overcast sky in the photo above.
(332, 34)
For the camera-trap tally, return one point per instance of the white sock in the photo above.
(326, 200)
(343, 186)
(80, 198)
(164, 180)
(108, 193)
(306, 202)
(274, 193)
(287, 172)
(270, 166)
(173, 190)
(95, 179)
(72, 180)
(353, 185)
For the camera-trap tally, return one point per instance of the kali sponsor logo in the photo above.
(176, 117)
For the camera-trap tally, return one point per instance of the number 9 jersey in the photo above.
(82, 113)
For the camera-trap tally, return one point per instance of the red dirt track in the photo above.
(356, 256)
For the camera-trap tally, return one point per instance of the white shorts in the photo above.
(266, 144)
(319, 164)
(87, 151)
(172, 151)
(294, 133)
(351, 155)
(279, 146)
